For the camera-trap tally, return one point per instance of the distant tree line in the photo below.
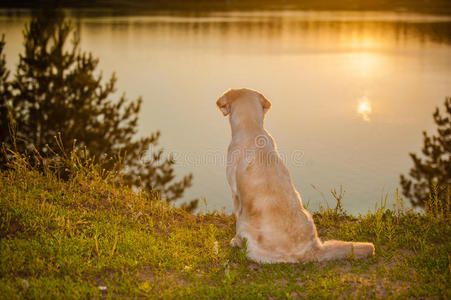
(56, 91)
(439, 6)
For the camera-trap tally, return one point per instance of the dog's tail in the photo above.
(331, 250)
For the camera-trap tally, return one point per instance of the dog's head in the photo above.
(243, 96)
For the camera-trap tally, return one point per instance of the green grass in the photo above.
(88, 237)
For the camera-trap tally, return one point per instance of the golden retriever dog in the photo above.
(268, 209)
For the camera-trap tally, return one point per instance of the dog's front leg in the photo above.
(236, 241)
(236, 206)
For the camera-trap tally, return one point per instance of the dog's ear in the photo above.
(223, 104)
(265, 103)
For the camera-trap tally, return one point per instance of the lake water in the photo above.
(351, 92)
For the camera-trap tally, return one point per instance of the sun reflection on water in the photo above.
(364, 109)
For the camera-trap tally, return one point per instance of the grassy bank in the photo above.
(89, 237)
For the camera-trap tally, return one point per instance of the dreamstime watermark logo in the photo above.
(222, 158)
(261, 140)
